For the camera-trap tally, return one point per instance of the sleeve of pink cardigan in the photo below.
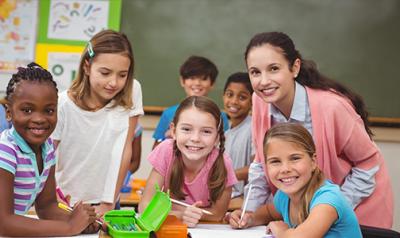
(355, 145)
(353, 141)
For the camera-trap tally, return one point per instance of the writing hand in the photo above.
(192, 214)
(246, 222)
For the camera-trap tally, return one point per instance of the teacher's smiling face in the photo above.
(270, 75)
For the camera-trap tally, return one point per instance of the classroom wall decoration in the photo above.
(77, 20)
(64, 30)
(17, 36)
(61, 60)
(74, 22)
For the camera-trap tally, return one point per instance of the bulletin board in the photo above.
(74, 22)
(61, 60)
(17, 36)
(65, 28)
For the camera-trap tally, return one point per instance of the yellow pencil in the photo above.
(69, 209)
(64, 207)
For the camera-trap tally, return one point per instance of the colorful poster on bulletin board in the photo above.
(18, 20)
(74, 22)
(62, 61)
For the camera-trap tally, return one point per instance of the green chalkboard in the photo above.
(356, 42)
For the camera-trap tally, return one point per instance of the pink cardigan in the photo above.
(341, 143)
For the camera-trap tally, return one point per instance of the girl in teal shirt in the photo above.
(306, 204)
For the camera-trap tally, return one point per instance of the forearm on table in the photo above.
(242, 173)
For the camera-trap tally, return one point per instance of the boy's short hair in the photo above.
(239, 77)
(198, 66)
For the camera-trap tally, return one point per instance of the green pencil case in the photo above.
(126, 223)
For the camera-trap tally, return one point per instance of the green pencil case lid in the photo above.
(150, 220)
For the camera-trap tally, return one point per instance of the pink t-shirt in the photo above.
(197, 190)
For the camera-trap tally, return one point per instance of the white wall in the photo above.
(390, 150)
(391, 153)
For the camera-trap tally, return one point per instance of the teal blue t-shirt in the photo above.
(345, 226)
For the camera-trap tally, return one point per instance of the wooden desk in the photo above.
(129, 199)
(235, 203)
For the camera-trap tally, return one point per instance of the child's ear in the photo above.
(314, 161)
(8, 112)
(86, 67)
(181, 81)
(172, 130)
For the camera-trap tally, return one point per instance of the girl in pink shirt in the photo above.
(192, 165)
(289, 88)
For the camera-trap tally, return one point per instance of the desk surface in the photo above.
(219, 230)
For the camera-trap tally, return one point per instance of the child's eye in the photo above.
(295, 158)
(207, 132)
(27, 110)
(104, 73)
(273, 162)
(50, 111)
(229, 94)
(123, 75)
(243, 98)
(185, 129)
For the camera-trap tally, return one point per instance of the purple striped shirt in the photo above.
(18, 158)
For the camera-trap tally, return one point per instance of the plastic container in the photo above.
(172, 228)
(126, 223)
(138, 184)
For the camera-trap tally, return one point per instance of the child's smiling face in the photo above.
(196, 134)
(33, 111)
(237, 102)
(289, 166)
(196, 85)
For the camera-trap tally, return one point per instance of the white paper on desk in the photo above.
(218, 230)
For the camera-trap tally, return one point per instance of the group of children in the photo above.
(306, 150)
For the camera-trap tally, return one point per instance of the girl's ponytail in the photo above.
(218, 174)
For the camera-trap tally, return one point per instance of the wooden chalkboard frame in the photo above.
(375, 121)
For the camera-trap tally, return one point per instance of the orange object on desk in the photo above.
(172, 228)
(137, 184)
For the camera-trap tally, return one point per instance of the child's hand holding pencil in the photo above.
(82, 219)
(240, 218)
(237, 221)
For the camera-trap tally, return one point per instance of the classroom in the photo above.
(352, 42)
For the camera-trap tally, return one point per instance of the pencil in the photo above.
(64, 207)
(187, 205)
(61, 195)
(245, 204)
(69, 209)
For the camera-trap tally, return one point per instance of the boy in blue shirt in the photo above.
(197, 78)
(4, 123)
